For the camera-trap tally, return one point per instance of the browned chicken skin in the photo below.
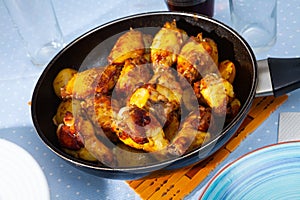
(77, 133)
(193, 132)
(89, 82)
(129, 45)
(132, 76)
(140, 124)
(197, 58)
(166, 45)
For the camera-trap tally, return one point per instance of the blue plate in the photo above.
(272, 172)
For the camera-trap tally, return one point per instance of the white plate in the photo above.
(20, 175)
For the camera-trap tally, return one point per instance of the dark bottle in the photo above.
(205, 7)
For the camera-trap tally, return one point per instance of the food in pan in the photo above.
(161, 93)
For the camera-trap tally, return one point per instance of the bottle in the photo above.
(204, 7)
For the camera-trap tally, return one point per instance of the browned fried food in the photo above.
(197, 58)
(216, 92)
(139, 129)
(227, 70)
(136, 99)
(67, 135)
(133, 75)
(166, 45)
(81, 84)
(193, 133)
(77, 137)
(100, 111)
(129, 45)
(96, 147)
(142, 122)
(168, 79)
(91, 81)
(107, 80)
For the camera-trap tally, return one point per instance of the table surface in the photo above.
(18, 77)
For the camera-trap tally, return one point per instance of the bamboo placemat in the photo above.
(177, 184)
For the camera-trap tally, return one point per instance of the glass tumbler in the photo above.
(256, 21)
(37, 25)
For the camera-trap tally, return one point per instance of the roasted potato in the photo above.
(227, 70)
(61, 80)
(67, 105)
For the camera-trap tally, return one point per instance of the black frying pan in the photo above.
(230, 45)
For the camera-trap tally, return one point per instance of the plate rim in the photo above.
(240, 159)
(37, 171)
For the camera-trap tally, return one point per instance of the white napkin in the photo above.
(289, 126)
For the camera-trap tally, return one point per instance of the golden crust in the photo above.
(129, 45)
(166, 45)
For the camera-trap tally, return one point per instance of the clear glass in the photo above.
(36, 22)
(256, 21)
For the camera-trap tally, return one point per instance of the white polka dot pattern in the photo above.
(18, 77)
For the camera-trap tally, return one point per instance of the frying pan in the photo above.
(83, 51)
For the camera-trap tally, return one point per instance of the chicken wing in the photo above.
(77, 136)
(166, 45)
(98, 148)
(129, 45)
(100, 110)
(168, 79)
(91, 81)
(193, 132)
(216, 92)
(141, 123)
(133, 75)
(197, 58)
(81, 84)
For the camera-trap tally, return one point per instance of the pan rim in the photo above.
(148, 168)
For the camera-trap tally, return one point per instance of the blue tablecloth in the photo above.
(18, 77)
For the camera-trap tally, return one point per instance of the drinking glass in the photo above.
(37, 25)
(256, 21)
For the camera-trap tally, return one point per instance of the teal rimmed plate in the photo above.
(272, 172)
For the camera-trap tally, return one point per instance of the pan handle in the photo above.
(278, 76)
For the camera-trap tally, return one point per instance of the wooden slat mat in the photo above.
(177, 184)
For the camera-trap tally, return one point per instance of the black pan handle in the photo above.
(278, 76)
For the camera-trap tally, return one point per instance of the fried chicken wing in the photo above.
(197, 58)
(193, 133)
(98, 148)
(216, 92)
(148, 112)
(166, 45)
(107, 80)
(91, 81)
(81, 84)
(129, 45)
(100, 110)
(139, 129)
(76, 135)
(168, 78)
(132, 76)
(67, 135)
